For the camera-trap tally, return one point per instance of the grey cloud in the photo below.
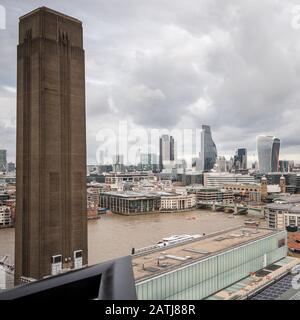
(168, 63)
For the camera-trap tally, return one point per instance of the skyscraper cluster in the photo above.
(268, 148)
(204, 162)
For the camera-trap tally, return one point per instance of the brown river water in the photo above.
(114, 235)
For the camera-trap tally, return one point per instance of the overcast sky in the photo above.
(232, 64)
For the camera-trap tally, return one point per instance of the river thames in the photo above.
(115, 235)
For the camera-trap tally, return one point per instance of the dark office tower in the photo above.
(172, 149)
(275, 155)
(3, 161)
(166, 151)
(240, 159)
(284, 166)
(208, 149)
(160, 161)
(51, 219)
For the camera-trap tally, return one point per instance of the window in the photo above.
(281, 243)
(78, 253)
(56, 259)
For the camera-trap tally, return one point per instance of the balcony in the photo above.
(112, 280)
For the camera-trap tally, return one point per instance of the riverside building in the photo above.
(211, 194)
(5, 217)
(129, 202)
(284, 212)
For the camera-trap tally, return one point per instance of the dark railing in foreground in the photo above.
(112, 280)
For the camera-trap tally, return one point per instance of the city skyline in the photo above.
(164, 215)
(139, 77)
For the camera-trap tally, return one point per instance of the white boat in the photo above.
(177, 239)
(251, 222)
(168, 241)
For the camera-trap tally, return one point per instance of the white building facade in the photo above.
(219, 179)
(177, 202)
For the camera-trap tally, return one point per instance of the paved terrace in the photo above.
(163, 260)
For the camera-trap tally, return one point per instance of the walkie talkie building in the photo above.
(268, 148)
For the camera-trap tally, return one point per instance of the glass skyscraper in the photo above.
(148, 161)
(166, 151)
(268, 153)
(240, 159)
(208, 149)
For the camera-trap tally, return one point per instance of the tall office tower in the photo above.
(240, 159)
(221, 164)
(268, 153)
(11, 167)
(166, 151)
(199, 163)
(242, 154)
(284, 166)
(255, 165)
(3, 160)
(148, 162)
(172, 149)
(275, 155)
(160, 166)
(229, 164)
(208, 149)
(51, 217)
(118, 163)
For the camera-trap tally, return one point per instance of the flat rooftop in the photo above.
(147, 265)
(129, 174)
(284, 206)
(289, 199)
(242, 184)
(141, 194)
